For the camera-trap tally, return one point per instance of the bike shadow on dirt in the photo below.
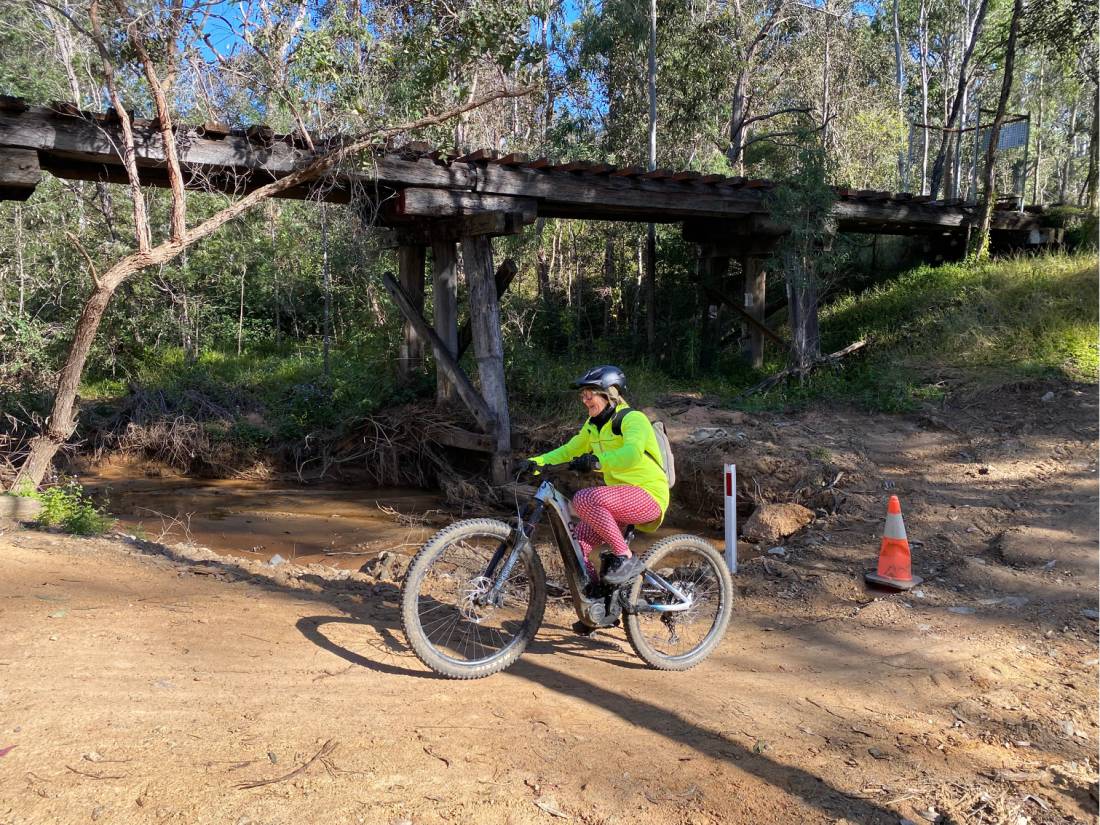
(392, 649)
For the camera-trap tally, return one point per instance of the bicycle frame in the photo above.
(597, 610)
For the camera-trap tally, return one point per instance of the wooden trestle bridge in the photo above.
(430, 199)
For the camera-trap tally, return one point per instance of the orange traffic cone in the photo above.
(894, 564)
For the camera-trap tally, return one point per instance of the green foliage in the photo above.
(25, 351)
(67, 506)
(280, 395)
(1080, 225)
(997, 321)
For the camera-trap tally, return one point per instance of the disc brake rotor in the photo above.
(473, 599)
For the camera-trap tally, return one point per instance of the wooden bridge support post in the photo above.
(410, 273)
(477, 262)
(755, 301)
(445, 320)
(712, 271)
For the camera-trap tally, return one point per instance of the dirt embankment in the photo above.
(185, 686)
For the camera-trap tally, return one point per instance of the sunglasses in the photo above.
(588, 395)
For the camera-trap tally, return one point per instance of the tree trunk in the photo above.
(62, 420)
(240, 314)
(326, 324)
(899, 79)
(1036, 189)
(608, 281)
(1094, 144)
(651, 290)
(548, 100)
(957, 150)
(739, 112)
(952, 119)
(20, 270)
(802, 302)
(651, 237)
(1064, 183)
(922, 37)
(980, 241)
(272, 215)
(652, 84)
(826, 91)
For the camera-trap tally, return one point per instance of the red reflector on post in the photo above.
(729, 483)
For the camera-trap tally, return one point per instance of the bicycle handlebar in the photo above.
(545, 470)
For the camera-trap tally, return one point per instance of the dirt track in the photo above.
(147, 684)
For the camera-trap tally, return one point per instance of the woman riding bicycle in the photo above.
(618, 442)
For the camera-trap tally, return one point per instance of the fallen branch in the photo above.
(442, 759)
(322, 754)
(832, 359)
(97, 775)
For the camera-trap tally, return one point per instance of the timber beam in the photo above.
(503, 278)
(19, 174)
(477, 263)
(417, 202)
(464, 440)
(453, 229)
(733, 234)
(85, 145)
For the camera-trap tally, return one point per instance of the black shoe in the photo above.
(620, 570)
(581, 629)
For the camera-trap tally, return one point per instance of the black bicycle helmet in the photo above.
(602, 378)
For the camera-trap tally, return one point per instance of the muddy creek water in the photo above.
(338, 526)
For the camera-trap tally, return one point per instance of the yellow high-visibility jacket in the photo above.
(633, 458)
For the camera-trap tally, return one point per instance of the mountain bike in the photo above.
(475, 594)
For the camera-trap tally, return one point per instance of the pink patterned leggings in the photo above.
(604, 511)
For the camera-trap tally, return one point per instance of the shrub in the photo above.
(70, 508)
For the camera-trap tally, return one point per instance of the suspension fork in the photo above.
(520, 538)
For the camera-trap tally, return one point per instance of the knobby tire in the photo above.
(431, 552)
(635, 633)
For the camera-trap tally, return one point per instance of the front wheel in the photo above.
(681, 640)
(454, 622)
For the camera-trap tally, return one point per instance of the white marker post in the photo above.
(731, 516)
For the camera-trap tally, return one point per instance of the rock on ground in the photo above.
(774, 522)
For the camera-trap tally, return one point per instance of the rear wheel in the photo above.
(452, 623)
(681, 640)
